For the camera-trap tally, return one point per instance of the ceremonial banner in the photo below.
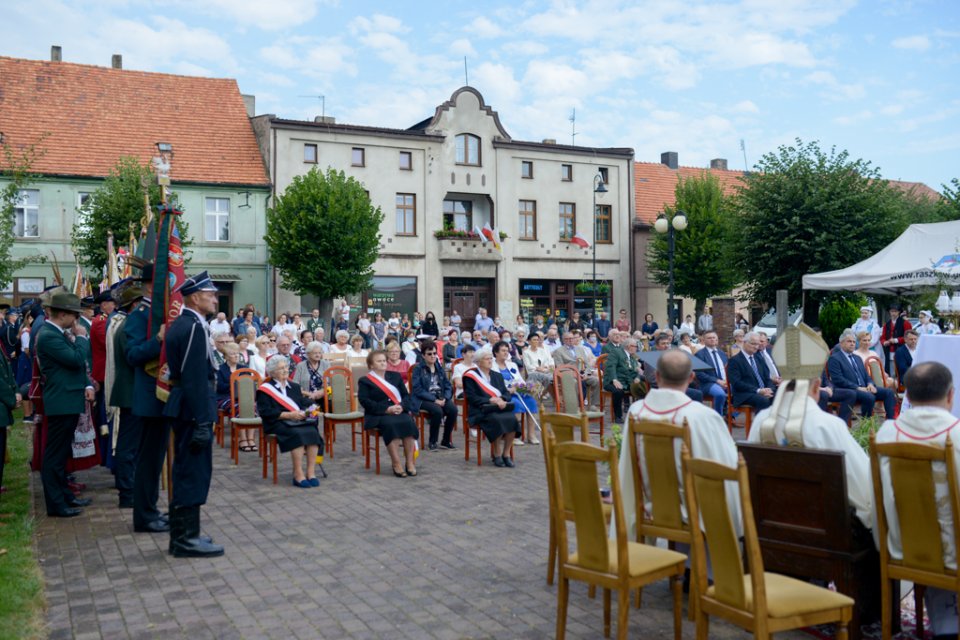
(168, 276)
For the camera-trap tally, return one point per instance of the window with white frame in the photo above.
(27, 214)
(82, 221)
(217, 222)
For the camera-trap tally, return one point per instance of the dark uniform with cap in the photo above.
(191, 409)
(128, 426)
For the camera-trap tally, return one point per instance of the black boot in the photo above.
(175, 520)
(188, 544)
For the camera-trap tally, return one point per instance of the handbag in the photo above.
(309, 422)
(492, 408)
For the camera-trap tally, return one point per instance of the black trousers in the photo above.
(125, 456)
(447, 413)
(151, 452)
(53, 472)
(191, 470)
(618, 396)
(3, 451)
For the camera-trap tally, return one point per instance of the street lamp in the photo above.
(598, 187)
(668, 225)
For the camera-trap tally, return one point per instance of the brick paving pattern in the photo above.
(457, 552)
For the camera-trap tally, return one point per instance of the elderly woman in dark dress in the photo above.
(490, 407)
(281, 404)
(385, 401)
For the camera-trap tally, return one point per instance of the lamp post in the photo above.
(598, 187)
(678, 222)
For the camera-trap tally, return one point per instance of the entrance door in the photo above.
(465, 302)
(467, 295)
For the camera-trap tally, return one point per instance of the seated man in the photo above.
(905, 352)
(575, 354)
(928, 421)
(663, 343)
(846, 398)
(749, 379)
(846, 371)
(618, 373)
(713, 382)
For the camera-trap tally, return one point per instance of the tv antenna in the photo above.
(323, 104)
(466, 78)
(573, 126)
(743, 148)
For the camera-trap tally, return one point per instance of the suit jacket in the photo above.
(63, 365)
(708, 377)
(562, 356)
(121, 395)
(741, 379)
(903, 359)
(619, 366)
(842, 373)
(191, 374)
(8, 394)
(141, 351)
(477, 397)
(420, 383)
(375, 402)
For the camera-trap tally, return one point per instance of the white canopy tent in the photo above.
(923, 255)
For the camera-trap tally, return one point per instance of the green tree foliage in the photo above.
(837, 315)
(14, 176)
(324, 235)
(701, 264)
(950, 205)
(806, 211)
(117, 207)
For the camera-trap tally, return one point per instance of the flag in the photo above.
(78, 288)
(167, 277)
(580, 241)
(496, 241)
(479, 232)
(487, 232)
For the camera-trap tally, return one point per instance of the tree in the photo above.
(324, 236)
(701, 265)
(950, 205)
(16, 175)
(117, 207)
(805, 211)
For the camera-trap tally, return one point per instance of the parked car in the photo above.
(768, 323)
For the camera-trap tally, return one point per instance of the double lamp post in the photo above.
(677, 222)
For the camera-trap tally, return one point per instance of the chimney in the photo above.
(56, 53)
(250, 102)
(325, 120)
(719, 163)
(549, 141)
(669, 158)
(116, 61)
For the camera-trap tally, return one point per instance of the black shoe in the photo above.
(69, 512)
(508, 462)
(125, 504)
(498, 462)
(79, 502)
(447, 445)
(433, 446)
(154, 526)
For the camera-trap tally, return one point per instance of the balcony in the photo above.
(466, 247)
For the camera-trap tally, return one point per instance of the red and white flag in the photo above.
(580, 241)
(479, 232)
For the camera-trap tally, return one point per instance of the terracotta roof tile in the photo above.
(94, 115)
(916, 189)
(655, 184)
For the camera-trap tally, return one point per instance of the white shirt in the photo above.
(825, 431)
(716, 362)
(220, 326)
(536, 358)
(869, 326)
(258, 364)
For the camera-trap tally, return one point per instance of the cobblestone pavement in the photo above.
(457, 552)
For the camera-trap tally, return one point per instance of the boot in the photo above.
(175, 520)
(188, 543)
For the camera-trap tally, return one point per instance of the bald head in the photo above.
(673, 370)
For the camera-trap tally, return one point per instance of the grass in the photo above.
(22, 600)
(861, 432)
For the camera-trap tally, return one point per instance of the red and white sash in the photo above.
(391, 391)
(476, 376)
(281, 399)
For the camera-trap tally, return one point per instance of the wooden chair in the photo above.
(243, 410)
(761, 602)
(746, 409)
(880, 380)
(477, 437)
(618, 563)
(568, 394)
(665, 518)
(907, 468)
(804, 522)
(340, 406)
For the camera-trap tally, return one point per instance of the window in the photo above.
(526, 169)
(310, 153)
(568, 220)
(217, 223)
(566, 172)
(603, 233)
(26, 211)
(406, 214)
(406, 161)
(528, 219)
(604, 175)
(358, 157)
(468, 149)
(458, 214)
(83, 198)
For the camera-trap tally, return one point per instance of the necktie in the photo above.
(756, 371)
(856, 370)
(716, 364)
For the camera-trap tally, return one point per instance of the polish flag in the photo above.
(580, 241)
(479, 232)
(488, 233)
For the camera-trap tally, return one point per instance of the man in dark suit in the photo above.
(10, 399)
(904, 355)
(847, 372)
(127, 426)
(63, 351)
(713, 382)
(191, 409)
(618, 373)
(845, 398)
(748, 376)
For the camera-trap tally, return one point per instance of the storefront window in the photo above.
(559, 299)
(391, 293)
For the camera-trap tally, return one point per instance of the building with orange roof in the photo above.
(84, 118)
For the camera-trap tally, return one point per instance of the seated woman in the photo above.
(592, 343)
(231, 352)
(737, 345)
(451, 350)
(395, 363)
(490, 407)
(308, 374)
(523, 401)
(281, 404)
(342, 345)
(456, 378)
(383, 395)
(258, 361)
(864, 338)
(244, 354)
(432, 392)
(357, 355)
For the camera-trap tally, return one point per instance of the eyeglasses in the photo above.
(430, 353)
(273, 339)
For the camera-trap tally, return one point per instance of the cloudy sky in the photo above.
(876, 77)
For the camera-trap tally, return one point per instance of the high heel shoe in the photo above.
(412, 474)
(400, 474)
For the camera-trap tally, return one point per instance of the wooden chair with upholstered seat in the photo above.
(568, 395)
(340, 406)
(911, 479)
(242, 413)
(761, 602)
(609, 563)
(476, 436)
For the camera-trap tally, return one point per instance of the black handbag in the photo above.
(309, 422)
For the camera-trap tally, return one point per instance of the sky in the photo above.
(878, 78)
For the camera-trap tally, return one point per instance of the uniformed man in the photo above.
(120, 376)
(62, 350)
(142, 351)
(9, 400)
(191, 409)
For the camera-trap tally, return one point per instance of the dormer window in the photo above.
(468, 149)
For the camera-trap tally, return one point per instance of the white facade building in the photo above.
(458, 171)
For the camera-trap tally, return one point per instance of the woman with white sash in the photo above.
(490, 407)
(384, 397)
(280, 404)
